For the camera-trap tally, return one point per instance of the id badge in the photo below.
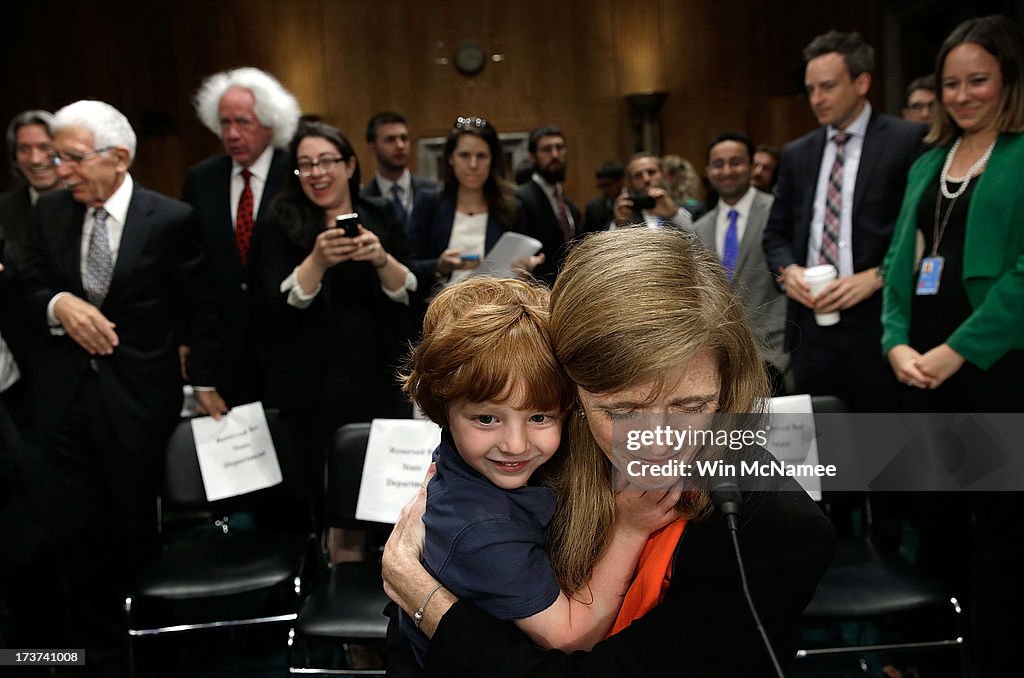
(929, 275)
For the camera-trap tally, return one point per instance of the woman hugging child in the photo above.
(485, 372)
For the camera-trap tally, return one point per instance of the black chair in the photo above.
(224, 564)
(868, 585)
(348, 607)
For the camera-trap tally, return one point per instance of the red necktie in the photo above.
(243, 222)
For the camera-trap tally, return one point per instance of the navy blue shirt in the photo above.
(485, 544)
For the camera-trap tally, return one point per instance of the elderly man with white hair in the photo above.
(255, 118)
(108, 267)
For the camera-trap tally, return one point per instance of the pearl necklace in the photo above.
(966, 179)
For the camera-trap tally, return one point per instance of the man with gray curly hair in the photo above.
(255, 117)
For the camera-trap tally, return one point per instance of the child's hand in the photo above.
(643, 512)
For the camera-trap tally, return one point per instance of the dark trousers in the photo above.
(93, 502)
(846, 362)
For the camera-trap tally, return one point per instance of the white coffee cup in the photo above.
(817, 277)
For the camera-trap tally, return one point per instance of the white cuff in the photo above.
(401, 295)
(296, 297)
(56, 329)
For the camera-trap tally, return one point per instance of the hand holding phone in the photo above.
(642, 201)
(470, 258)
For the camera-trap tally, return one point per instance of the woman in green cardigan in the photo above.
(954, 276)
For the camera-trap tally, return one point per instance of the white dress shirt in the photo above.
(854, 146)
(742, 208)
(259, 171)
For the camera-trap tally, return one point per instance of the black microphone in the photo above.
(726, 496)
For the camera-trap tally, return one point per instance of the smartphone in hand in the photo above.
(349, 223)
(470, 257)
(642, 201)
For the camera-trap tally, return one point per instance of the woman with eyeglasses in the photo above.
(453, 231)
(336, 307)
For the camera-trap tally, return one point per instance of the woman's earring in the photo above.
(581, 412)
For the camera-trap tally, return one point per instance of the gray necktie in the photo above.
(99, 263)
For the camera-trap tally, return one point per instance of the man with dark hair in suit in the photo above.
(598, 212)
(255, 118)
(28, 148)
(387, 135)
(920, 99)
(838, 193)
(107, 265)
(733, 228)
(551, 218)
(766, 167)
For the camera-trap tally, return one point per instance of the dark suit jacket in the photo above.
(158, 269)
(598, 214)
(16, 220)
(754, 283)
(431, 229)
(542, 224)
(420, 186)
(208, 190)
(890, 147)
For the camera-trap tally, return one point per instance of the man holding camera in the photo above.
(645, 199)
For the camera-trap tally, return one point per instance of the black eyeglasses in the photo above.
(58, 158)
(463, 122)
(326, 164)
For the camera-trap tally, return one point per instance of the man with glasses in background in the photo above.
(255, 118)
(920, 99)
(107, 266)
(551, 217)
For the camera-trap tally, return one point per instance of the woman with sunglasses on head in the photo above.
(453, 231)
(336, 307)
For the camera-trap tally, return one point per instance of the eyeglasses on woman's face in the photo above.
(326, 164)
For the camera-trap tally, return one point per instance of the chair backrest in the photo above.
(344, 475)
(183, 480)
(827, 404)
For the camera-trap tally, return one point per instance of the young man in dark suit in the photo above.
(387, 135)
(107, 265)
(551, 218)
(838, 193)
(231, 195)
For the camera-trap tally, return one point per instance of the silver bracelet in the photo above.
(418, 617)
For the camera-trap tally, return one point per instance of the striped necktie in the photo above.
(834, 205)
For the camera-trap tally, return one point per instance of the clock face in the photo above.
(469, 58)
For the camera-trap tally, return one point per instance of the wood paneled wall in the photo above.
(725, 64)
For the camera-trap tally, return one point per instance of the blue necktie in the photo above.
(731, 250)
(396, 198)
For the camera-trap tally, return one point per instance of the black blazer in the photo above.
(208, 189)
(542, 224)
(420, 186)
(597, 215)
(159, 269)
(339, 354)
(890, 147)
(431, 229)
(16, 220)
(701, 628)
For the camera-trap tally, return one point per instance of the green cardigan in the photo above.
(993, 270)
